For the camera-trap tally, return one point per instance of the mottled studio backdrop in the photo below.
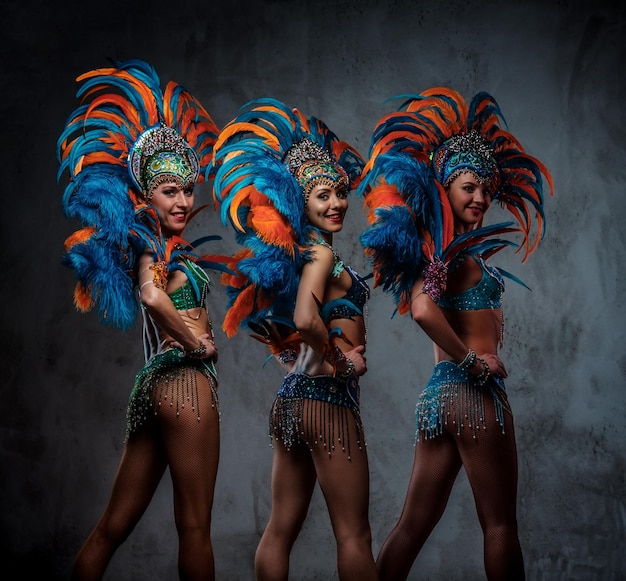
(557, 71)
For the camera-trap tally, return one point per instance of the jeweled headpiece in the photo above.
(268, 160)
(312, 165)
(415, 153)
(466, 152)
(127, 136)
(161, 155)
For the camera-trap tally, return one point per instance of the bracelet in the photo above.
(199, 352)
(469, 360)
(484, 375)
(351, 370)
(340, 356)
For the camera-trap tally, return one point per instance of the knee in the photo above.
(113, 531)
(500, 533)
(356, 540)
(193, 524)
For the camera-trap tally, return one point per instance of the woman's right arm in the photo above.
(427, 314)
(307, 319)
(164, 313)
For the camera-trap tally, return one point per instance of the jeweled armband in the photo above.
(160, 272)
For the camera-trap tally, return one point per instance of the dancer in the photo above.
(134, 154)
(436, 165)
(283, 183)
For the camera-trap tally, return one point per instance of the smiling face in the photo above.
(469, 200)
(174, 205)
(326, 207)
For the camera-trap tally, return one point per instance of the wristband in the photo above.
(484, 375)
(469, 360)
(198, 352)
(351, 370)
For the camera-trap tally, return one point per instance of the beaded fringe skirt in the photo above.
(168, 378)
(452, 397)
(315, 410)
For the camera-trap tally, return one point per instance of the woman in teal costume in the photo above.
(283, 183)
(134, 154)
(436, 166)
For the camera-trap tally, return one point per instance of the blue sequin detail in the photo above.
(351, 305)
(487, 294)
(332, 390)
(451, 396)
(328, 401)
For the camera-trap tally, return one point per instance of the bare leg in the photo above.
(436, 465)
(139, 473)
(491, 465)
(293, 481)
(192, 449)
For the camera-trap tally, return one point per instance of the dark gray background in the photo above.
(557, 71)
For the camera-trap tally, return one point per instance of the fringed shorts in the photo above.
(452, 396)
(168, 377)
(314, 410)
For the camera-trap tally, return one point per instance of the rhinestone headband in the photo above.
(466, 152)
(160, 154)
(313, 165)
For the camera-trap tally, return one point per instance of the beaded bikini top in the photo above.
(193, 293)
(487, 294)
(355, 299)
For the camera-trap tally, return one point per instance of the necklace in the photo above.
(338, 267)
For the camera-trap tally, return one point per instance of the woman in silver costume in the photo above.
(436, 167)
(134, 154)
(283, 180)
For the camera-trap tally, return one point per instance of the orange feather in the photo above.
(241, 308)
(272, 227)
(78, 237)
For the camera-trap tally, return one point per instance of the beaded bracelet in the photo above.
(484, 375)
(340, 356)
(199, 352)
(351, 370)
(469, 360)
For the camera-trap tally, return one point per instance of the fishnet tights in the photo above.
(190, 448)
(490, 461)
(344, 481)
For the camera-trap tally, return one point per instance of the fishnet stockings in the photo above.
(327, 434)
(490, 461)
(190, 447)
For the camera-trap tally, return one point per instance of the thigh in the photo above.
(344, 476)
(191, 440)
(490, 461)
(293, 481)
(436, 464)
(140, 470)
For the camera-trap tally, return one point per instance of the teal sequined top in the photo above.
(487, 294)
(193, 293)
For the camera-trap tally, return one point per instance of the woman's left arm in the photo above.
(164, 313)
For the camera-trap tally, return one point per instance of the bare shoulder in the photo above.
(321, 254)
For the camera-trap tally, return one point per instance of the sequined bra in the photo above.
(193, 293)
(352, 304)
(487, 294)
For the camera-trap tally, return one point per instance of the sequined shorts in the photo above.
(168, 376)
(315, 410)
(451, 396)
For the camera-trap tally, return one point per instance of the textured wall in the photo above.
(556, 69)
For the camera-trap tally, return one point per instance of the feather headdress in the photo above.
(414, 154)
(126, 135)
(268, 159)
